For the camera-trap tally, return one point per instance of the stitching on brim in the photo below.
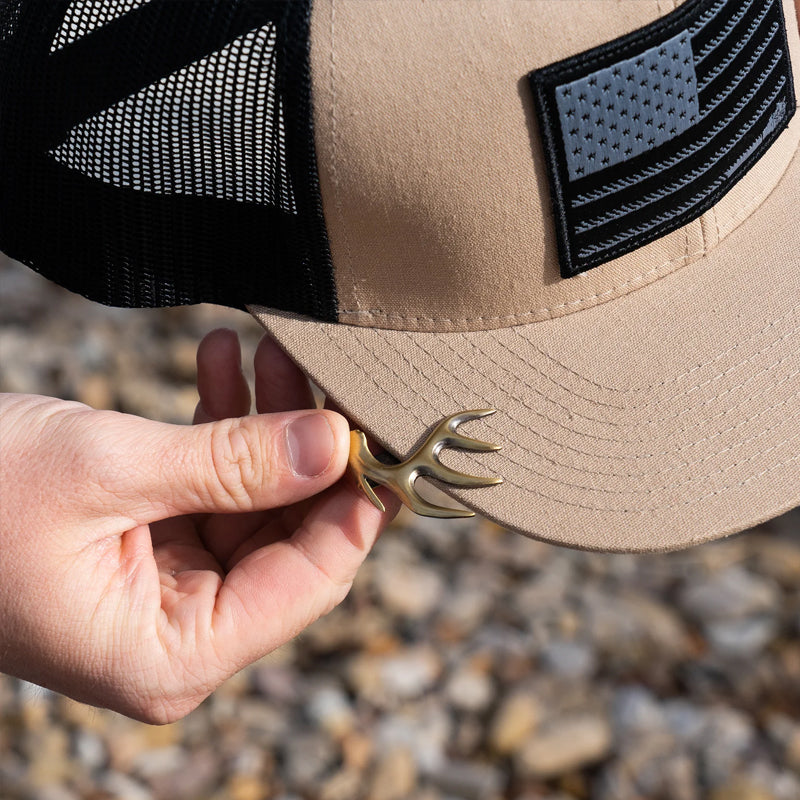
(561, 500)
(445, 390)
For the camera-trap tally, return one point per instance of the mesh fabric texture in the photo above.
(157, 153)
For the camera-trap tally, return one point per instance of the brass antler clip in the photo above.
(400, 478)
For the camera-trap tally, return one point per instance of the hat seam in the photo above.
(693, 388)
(348, 259)
(526, 315)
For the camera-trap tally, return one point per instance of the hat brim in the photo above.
(653, 422)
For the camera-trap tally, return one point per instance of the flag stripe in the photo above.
(745, 99)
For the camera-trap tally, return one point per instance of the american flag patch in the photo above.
(646, 133)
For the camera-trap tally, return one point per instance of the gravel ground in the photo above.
(467, 663)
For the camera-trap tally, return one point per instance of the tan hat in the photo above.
(582, 214)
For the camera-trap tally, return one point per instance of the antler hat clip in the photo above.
(400, 478)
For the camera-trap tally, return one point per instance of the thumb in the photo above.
(150, 470)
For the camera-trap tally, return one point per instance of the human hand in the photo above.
(142, 564)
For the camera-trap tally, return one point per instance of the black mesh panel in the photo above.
(160, 152)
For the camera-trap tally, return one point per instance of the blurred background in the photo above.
(467, 663)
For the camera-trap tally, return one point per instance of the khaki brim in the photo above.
(653, 422)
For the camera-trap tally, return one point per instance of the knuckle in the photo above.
(240, 455)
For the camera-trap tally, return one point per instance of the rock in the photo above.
(279, 683)
(56, 792)
(778, 558)
(199, 772)
(121, 786)
(727, 739)
(395, 775)
(687, 722)
(330, 708)
(635, 712)
(742, 638)
(261, 719)
(385, 680)
(734, 593)
(154, 763)
(547, 590)
(90, 750)
(343, 785)
(470, 689)
(246, 787)
(96, 390)
(629, 629)
(409, 590)
(469, 780)
(357, 750)
(516, 718)
(671, 777)
(565, 744)
(425, 731)
(307, 756)
(49, 757)
(785, 733)
(465, 609)
(741, 789)
(569, 659)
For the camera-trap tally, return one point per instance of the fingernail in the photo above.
(310, 443)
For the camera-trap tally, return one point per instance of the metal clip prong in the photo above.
(400, 478)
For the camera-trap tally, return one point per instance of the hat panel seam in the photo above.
(349, 276)
(543, 313)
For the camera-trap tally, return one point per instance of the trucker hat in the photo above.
(582, 214)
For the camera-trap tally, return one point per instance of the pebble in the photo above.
(411, 590)
(426, 730)
(635, 712)
(518, 715)
(395, 775)
(569, 659)
(307, 757)
(387, 680)
(469, 780)
(342, 785)
(741, 789)
(728, 737)
(330, 708)
(734, 593)
(565, 744)
(742, 638)
(470, 689)
(90, 749)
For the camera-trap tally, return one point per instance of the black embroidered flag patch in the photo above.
(646, 133)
